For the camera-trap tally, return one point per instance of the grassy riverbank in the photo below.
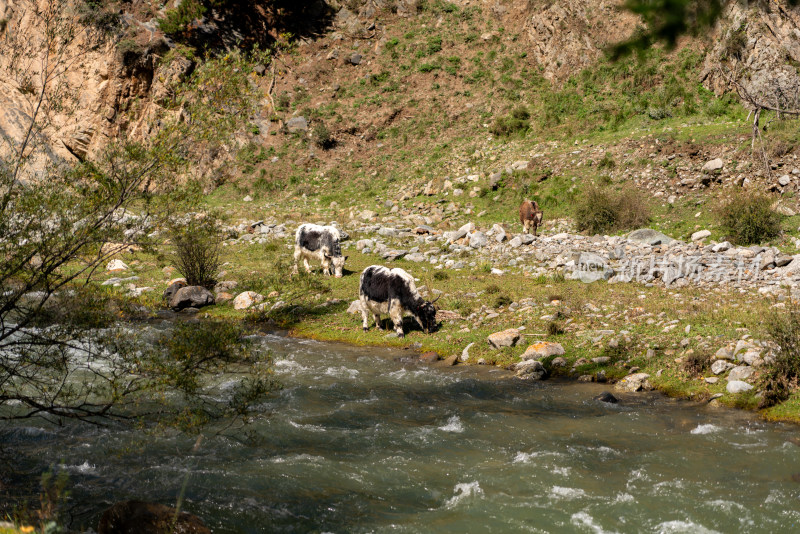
(670, 334)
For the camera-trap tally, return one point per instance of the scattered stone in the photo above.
(191, 297)
(478, 240)
(737, 386)
(558, 362)
(720, 366)
(172, 288)
(116, 265)
(530, 370)
(506, 338)
(297, 124)
(246, 299)
(355, 307)
(429, 357)
(465, 353)
(711, 380)
(355, 58)
(634, 382)
(542, 349)
(699, 235)
(741, 372)
(451, 360)
(713, 166)
(650, 237)
(724, 353)
(606, 397)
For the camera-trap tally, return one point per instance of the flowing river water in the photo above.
(369, 440)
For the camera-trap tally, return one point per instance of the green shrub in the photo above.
(602, 209)
(783, 374)
(177, 20)
(428, 67)
(322, 137)
(196, 251)
(749, 219)
(696, 363)
(516, 122)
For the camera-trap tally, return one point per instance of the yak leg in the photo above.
(526, 226)
(364, 317)
(396, 314)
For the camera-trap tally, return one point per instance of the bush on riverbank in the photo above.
(783, 375)
(196, 253)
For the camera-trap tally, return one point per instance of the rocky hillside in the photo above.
(406, 88)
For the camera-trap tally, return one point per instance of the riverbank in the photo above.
(688, 338)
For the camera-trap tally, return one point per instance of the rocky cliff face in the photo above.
(84, 86)
(760, 43)
(113, 84)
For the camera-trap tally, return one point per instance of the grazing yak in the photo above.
(530, 215)
(392, 292)
(320, 243)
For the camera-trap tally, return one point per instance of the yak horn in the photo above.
(437, 298)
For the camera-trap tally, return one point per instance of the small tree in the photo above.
(196, 255)
(55, 231)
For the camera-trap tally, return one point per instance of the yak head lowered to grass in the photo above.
(393, 292)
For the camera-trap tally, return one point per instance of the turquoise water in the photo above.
(368, 440)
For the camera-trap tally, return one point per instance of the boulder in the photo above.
(429, 357)
(720, 366)
(246, 299)
(590, 267)
(355, 307)
(173, 288)
(297, 124)
(606, 397)
(542, 349)
(714, 165)
(737, 386)
(465, 353)
(701, 234)
(650, 237)
(506, 338)
(741, 372)
(116, 265)
(558, 362)
(634, 382)
(478, 240)
(191, 297)
(724, 353)
(138, 517)
(530, 370)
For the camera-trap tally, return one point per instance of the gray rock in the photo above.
(785, 180)
(634, 382)
(354, 59)
(465, 353)
(191, 297)
(478, 240)
(713, 165)
(530, 370)
(720, 366)
(559, 362)
(527, 239)
(506, 338)
(297, 124)
(515, 242)
(606, 397)
(170, 291)
(737, 386)
(355, 307)
(701, 234)
(724, 353)
(415, 257)
(542, 349)
(741, 372)
(649, 237)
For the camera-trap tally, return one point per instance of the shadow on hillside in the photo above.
(245, 23)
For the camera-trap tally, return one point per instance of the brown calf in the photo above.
(530, 215)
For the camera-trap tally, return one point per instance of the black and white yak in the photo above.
(392, 292)
(319, 243)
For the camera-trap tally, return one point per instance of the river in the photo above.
(368, 440)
